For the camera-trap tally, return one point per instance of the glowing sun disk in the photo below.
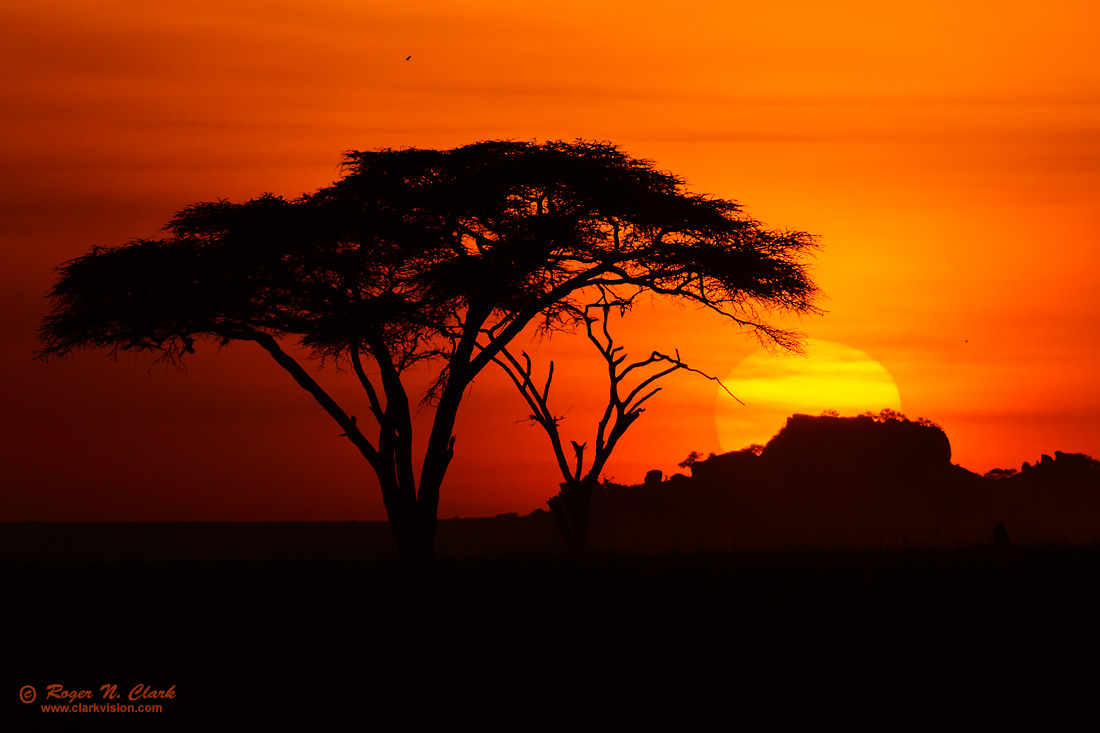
(831, 377)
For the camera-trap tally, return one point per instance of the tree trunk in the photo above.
(572, 508)
(412, 522)
(414, 535)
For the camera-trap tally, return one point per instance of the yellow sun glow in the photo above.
(831, 376)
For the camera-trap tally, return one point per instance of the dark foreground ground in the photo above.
(263, 637)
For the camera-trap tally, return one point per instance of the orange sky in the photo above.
(948, 156)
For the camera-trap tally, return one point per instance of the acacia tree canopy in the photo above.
(416, 255)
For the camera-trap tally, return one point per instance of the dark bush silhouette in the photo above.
(436, 257)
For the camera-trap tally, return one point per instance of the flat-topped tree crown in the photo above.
(517, 226)
(439, 255)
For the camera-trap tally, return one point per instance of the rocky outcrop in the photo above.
(859, 441)
(855, 481)
(824, 479)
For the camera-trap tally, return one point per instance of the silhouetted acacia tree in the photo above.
(630, 386)
(416, 256)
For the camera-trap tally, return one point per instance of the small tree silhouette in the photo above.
(572, 504)
(692, 458)
(433, 257)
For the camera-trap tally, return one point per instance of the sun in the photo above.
(831, 376)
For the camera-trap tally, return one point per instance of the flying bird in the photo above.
(408, 57)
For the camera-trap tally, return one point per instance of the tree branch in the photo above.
(308, 383)
(540, 412)
(368, 386)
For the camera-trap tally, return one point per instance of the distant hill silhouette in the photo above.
(859, 481)
(852, 480)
